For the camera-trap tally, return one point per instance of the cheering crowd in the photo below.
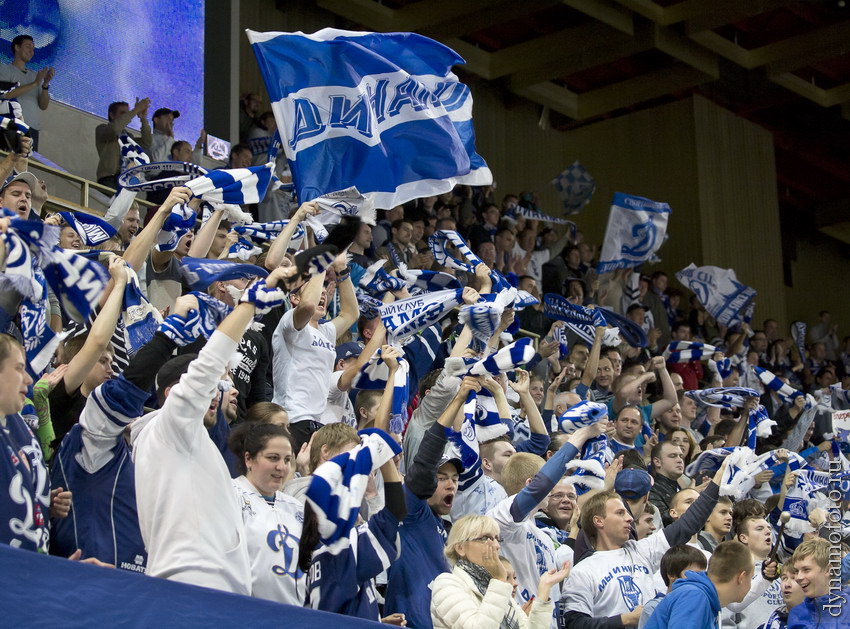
(442, 417)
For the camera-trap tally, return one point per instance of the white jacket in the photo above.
(457, 604)
(189, 515)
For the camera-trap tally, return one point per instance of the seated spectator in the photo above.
(477, 591)
(696, 600)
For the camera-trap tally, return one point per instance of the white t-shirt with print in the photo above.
(339, 407)
(614, 582)
(303, 362)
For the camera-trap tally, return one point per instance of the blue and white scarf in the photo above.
(785, 392)
(243, 249)
(183, 330)
(373, 376)
(506, 359)
(237, 185)
(759, 424)
(580, 415)
(200, 273)
(149, 177)
(722, 397)
(437, 243)
(212, 312)
(575, 186)
(636, 230)
(369, 306)
(707, 463)
(633, 334)
(560, 334)
(140, 318)
(806, 483)
(423, 281)
(724, 297)
(77, 281)
(488, 423)
(534, 215)
(590, 468)
(91, 229)
(337, 486)
(723, 367)
(483, 318)
(333, 206)
(464, 444)
(406, 317)
(264, 298)
(270, 231)
(178, 224)
(131, 153)
(579, 319)
(376, 281)
(686, 351)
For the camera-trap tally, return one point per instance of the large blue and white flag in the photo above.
(724, 297)
(636, 230)
(379, 111)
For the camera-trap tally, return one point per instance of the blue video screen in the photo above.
(106, 51)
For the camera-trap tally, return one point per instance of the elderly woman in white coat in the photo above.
(476, 594)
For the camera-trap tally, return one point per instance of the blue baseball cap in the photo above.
(632, 484)
(348, 350)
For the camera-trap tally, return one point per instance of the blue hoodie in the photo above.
(813, 613)
(692, 604)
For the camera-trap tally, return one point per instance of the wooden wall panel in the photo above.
(739, 211)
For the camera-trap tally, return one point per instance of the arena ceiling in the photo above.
(782, 64)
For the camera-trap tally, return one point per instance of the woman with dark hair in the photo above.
(272, 519)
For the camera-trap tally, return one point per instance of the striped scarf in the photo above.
(237, 185)
(376, 281)
(131, 153)
(722, 397)
(406, 317)
(686, 351)
(337, 486)
(579, 319)
(373, 376)
(178, 224)
(506, 359)
(785, 392)
(438, 244)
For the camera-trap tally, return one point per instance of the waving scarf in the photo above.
(686, 351)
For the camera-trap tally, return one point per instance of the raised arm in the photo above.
(349, 309)
(206, 235)
(280, 244)
(138, 250)
(667, 387)
(589, 373)
(526, 501)
(539, 440)
(308, 299)
(101, 330)
(16, 162)
(389, 355)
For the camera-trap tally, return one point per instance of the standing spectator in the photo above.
(32, 91)
(696, 600)
(361, 248)
(692, 371)
(240, 156)
(668, 465)
(825, 332)
(118, 116)
(249, 108)
(163, 134)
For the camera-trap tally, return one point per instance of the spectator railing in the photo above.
(85, 190)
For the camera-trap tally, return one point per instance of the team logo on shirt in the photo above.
(630, 591)
(280, 539)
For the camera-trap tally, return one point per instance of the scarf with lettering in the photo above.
(722, 397)
(579, 319)
(406, 317)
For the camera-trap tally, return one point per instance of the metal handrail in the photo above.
(85, 184)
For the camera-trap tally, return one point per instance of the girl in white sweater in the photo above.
(476, 594)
